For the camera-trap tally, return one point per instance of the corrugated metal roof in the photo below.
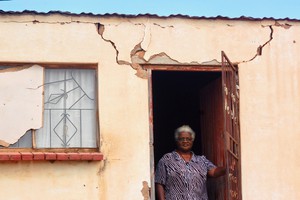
(141, 15)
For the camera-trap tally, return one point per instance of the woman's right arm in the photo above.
(160, 191)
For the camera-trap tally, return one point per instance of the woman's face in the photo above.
(184, 142)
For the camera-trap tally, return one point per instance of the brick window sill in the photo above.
(49, 156)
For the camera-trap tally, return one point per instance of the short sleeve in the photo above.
(160, 173)
(209, 165)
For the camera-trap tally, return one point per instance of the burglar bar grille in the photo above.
(67, 103)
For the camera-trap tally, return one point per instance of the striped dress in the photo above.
(183, 180)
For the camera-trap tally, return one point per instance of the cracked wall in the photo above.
(267, 54)
(182, 38)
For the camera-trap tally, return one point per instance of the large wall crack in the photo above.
(260, 47)
(100, 28)
(136, 53)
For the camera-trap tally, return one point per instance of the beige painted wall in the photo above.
(123, 116)
(269, 90)
(270, 113)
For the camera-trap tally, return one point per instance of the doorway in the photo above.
(191, 98)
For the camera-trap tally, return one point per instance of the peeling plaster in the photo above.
(162, 58)
(212, 62)
(138, 52)
(145, 190)
(21, 107)
(144, 40)
(143, 52)
(285, 25)
(148, 42)
(200, 39)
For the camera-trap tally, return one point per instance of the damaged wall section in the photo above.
(21, 102)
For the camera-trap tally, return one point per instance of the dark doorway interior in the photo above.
(193, 98)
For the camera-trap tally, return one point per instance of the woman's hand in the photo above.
(217, 172)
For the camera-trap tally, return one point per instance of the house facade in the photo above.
(89, 103)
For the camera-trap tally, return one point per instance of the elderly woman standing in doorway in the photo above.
(181, 175)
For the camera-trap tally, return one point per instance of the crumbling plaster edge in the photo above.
(138, 60)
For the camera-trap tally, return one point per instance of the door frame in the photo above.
(162, 67)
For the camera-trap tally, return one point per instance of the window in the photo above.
(69, 109)
(69, 119)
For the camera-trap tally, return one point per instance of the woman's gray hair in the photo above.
(184, 128)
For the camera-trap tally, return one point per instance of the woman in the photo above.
(181, 175)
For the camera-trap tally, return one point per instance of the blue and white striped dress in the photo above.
(183, 180)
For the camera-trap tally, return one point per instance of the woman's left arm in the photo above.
(217, 172)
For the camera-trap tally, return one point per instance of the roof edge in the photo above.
(245, 18)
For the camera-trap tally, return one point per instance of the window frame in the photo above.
(67, 151)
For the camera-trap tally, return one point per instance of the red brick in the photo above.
(16, 156)
(74, 156)
(38, 156)
(62, 156)
(26, 155)
(50, 156)
(97, 156)
(4, 156)
(86, 156)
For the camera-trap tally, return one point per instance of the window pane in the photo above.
(69, 109)
(24, 142)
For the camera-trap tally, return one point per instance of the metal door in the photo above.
(230, 85)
